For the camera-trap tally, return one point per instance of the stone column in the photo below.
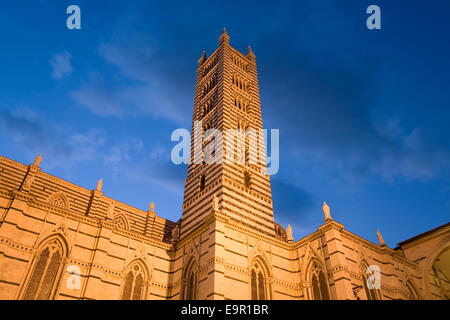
(216, 268)
(339, 279)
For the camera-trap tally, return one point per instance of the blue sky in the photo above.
(363, 115)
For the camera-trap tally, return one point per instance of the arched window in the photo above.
(258, 279)
(46, 271)
(319, 283)
(134, 282)
(190, 281)
(371, 293)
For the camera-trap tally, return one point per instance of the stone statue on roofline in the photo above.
(99, 185)
(289, 234)
(326, 211)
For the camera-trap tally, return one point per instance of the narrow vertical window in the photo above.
(254, 286)
(190, 287)
(262, 295)
(247, 179)
(319, 283)
(126, 295)
(138, 286)
(316, 290)
(202, 182)
(323, 286)
(370, 293)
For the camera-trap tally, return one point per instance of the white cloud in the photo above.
(61, 65)
(144, 83)
(33, 134)
(122, 151)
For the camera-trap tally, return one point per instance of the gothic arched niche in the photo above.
(134, 283)
(46, 269)
(259, 280)
(121, 222)
(59, 200)
(318, 280)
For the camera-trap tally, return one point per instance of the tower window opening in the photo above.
(202, 182)
(210, 84)
(247, 181)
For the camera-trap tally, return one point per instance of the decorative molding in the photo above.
(15, 245)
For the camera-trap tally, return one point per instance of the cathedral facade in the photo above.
(61, 241)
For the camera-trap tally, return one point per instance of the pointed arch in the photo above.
(121, 221)
(190, 280)
(59, 229)
(371, 293)
(437, 278)
(134, 281)
(413, 294)
(260, 279)
(316, 275)
(59, 200)
(46, 268)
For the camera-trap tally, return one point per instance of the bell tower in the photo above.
(227, 99)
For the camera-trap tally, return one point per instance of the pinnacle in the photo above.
(224, 36)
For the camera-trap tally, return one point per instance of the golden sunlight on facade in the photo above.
(61, 241)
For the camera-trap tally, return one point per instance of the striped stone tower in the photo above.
(227, 97)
